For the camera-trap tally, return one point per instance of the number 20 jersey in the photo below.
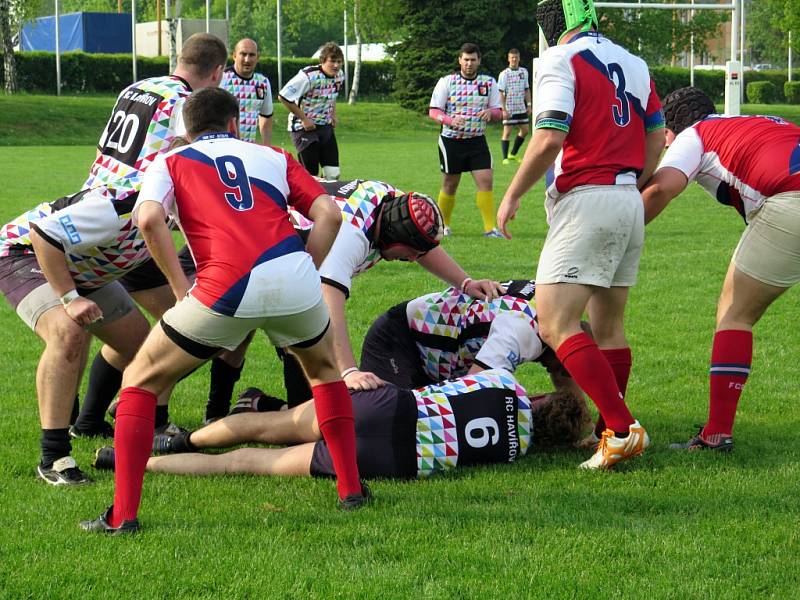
(603, 97)
(145, 119)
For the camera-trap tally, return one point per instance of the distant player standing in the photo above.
(253, 92)
(253, 272)
(599, 118)
(515, 95)
(310, 97)
(751, 164)
(463, 103)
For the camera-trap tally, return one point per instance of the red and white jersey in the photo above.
(740, 161)
(230, 199)
(602, 95)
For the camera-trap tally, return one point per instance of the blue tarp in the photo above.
(90, 32)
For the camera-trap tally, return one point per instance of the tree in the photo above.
(12, 14)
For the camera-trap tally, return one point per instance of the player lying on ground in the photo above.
(751, 164)
(449, 334)
(400, 433)
(230, 199)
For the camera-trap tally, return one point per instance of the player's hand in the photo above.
(363, 380)
(484, 289)
(84, 311)
(308, 124)
(506, 213)
(458, 122)
(484, 115)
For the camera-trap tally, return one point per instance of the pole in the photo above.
(58, 52)
(691, 50)
(133, 39)
(741, 43)
(158, 20)
(346, 66)
(228, 17)
(790, 56)
(280, 69)
(735, 30)
(208, 16)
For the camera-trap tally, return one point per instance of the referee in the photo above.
(253, 92)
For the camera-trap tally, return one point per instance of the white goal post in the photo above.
(733, 68)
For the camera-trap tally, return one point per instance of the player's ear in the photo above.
(233, 126)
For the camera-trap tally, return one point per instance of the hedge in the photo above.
(791, 90)
(761, 92)
(82, 72)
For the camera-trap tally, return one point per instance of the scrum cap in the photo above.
(556, 17)
(413, 220)
(686, 106)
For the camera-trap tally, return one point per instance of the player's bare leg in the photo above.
(156, 301)
(292, 461)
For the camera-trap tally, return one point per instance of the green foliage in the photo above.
(761, 92)
(791, 90)
(84, 72)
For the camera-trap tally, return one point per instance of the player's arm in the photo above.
(342, 348)
(265, 128)
(439, 263)
(665, 185)
(528, 100)
(438, 105)
(653, 146)
(327, 221)
(503, 104)
(290, 97)
(53, 263)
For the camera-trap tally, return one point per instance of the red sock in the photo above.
(133, 442)
(731, 356)
(335, 417)
(620, 360)
(591, 371)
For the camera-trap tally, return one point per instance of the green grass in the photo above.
(665, 526)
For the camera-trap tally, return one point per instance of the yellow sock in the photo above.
(485, 202)
(447, 203)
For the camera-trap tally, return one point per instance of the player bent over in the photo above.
(253, 272)
(400, 433)
(751, 164)
(602, 140)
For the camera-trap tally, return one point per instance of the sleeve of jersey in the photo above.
(349, 250)
(494, 96)
(501, 82)
(303, 188)
(685, 153)
(511, 342)
(440, 94)
(527, 82)
(654, 114)
(266, 106)
(157, 186)
(178, 126)
(295, 88)
(86, 224)
(555, 93)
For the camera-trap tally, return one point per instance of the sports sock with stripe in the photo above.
(731, 356)
(133, 442)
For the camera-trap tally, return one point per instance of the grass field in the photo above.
(667, 525)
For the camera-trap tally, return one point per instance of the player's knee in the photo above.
(330, 173)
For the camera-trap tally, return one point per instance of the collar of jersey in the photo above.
(583, 34)
(235, 72)
(186, 83)
(215, 136)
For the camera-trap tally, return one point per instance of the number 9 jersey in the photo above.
(145, 119)
(603, 97)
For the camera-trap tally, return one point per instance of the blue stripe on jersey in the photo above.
(595, 63)
(270, 190)
(794, 161)
(193, 154)
(229, 303)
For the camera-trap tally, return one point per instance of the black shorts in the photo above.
(517, 119)
(463, 156)
(316, 148)
(386, 436)
(148, 276)
(390, 352)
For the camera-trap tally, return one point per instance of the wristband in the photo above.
(465, 283)
(347, 372)
(69, 297)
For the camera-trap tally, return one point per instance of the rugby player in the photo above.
(253, 92)
(602, 140)
(515, 96)
(462, 103)
(751, 164)
(253, 272)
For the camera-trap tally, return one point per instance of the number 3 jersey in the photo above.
(477, 419)
(230, 199)
(602, 96)
(145, 119)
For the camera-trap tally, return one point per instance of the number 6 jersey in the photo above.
(603, 97)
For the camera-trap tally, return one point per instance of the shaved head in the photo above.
(251, 44)
(245, 57)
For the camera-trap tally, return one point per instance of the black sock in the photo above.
(504, 146)
(294, 378)
(518, 141)
(104, 384)
(55, 444)
(223, 378)
(162, 416)
(76, 407)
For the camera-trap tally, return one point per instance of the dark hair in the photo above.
(514, 51)
(209, 109)
(330, 50)
(686, 106)
(469, 48)
(560, 420)
(202, 53)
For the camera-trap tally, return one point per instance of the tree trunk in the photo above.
(357, 69)
(9, 64)
(173, 35)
